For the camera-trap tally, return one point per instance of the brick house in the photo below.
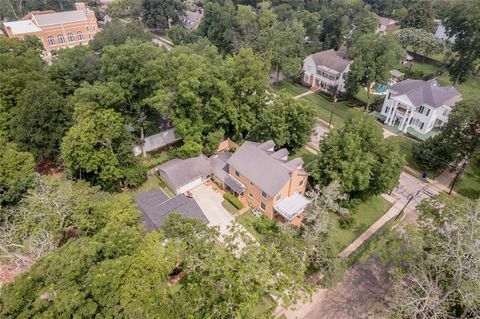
(265, 178)
(56, 30)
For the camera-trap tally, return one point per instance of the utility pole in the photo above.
(330, 122)
(409, 200)
(459, 172)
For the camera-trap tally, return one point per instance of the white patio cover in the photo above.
(291, 206)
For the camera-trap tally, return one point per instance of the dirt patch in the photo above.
(362, 294)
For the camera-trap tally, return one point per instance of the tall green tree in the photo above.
(359, 158)
(420, 15)
(17, 172)
(40, 119)
(116, 33)
(334, 29)
(73, 66)
(218, 24)
(160, 14)
(283, 44)
(374, 56)
(287, 121)
(463, 24)
(98, 148)
(459, 138)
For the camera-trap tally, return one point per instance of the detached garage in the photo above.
(182, 175)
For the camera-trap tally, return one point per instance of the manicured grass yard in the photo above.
(153, 182)
(426, 68)
(306, 155)
(229, 207)
(469, 184)
(406, 148)
(324, 108)
(365, 215)
(291, 88)
(469, 89)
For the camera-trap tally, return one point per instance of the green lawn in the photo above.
(324, 108)
(469, 89)
(155, 159)
(291, 88)
(426, 68)
(365, 215)
(229, 207)
(469, 184)
(306, 155)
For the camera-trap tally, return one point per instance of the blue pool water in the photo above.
(380, 88)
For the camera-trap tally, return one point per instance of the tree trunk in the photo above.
(278, 75)
(457, 79)
(142, 137)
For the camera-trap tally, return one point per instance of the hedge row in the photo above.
(233, 200)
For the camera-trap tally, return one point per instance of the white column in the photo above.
(394, 111)
(389, 113)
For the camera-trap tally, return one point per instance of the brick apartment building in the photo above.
(56, 30)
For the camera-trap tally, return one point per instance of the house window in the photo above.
(61, 39)
(88, 29)
(389, 94)
(262, 206)
(421, 125)
(250, 195)
(264, 195)
(93, 28)
(70, 37)
(411, 119)
(89, 36)
(387, 109)
(79, 35)
(420, 109)
(428, 112)
(301, 182)
(51, 40)
(236, 173)
(250, 182)
(278, 197)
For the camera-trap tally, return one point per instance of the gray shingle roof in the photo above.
(426, 92)
(386, 21)
(182, 171)
(60, 17)
(156, 207)
(256, 162)
(330, 59)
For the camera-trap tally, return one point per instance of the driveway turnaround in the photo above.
(211, 204)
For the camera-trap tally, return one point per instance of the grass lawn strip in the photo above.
(468, 184)
(365, 215)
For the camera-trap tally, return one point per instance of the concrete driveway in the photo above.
(211, 204)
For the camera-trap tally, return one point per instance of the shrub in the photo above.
(346, 222)
(264, 225)
(233, 200)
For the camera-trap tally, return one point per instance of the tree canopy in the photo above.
(459, 138)
(374, 55)
(99, 149)
(437, 271)
(359, 158)
(461, 20)
(17, 171)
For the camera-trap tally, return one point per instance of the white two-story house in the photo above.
(421, 105)
(326, 70)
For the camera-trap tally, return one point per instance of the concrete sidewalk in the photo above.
(391, 213)
(304, 94)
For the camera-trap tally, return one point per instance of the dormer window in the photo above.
(264, 195)
(236, 173)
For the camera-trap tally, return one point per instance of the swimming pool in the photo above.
(380, 88)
